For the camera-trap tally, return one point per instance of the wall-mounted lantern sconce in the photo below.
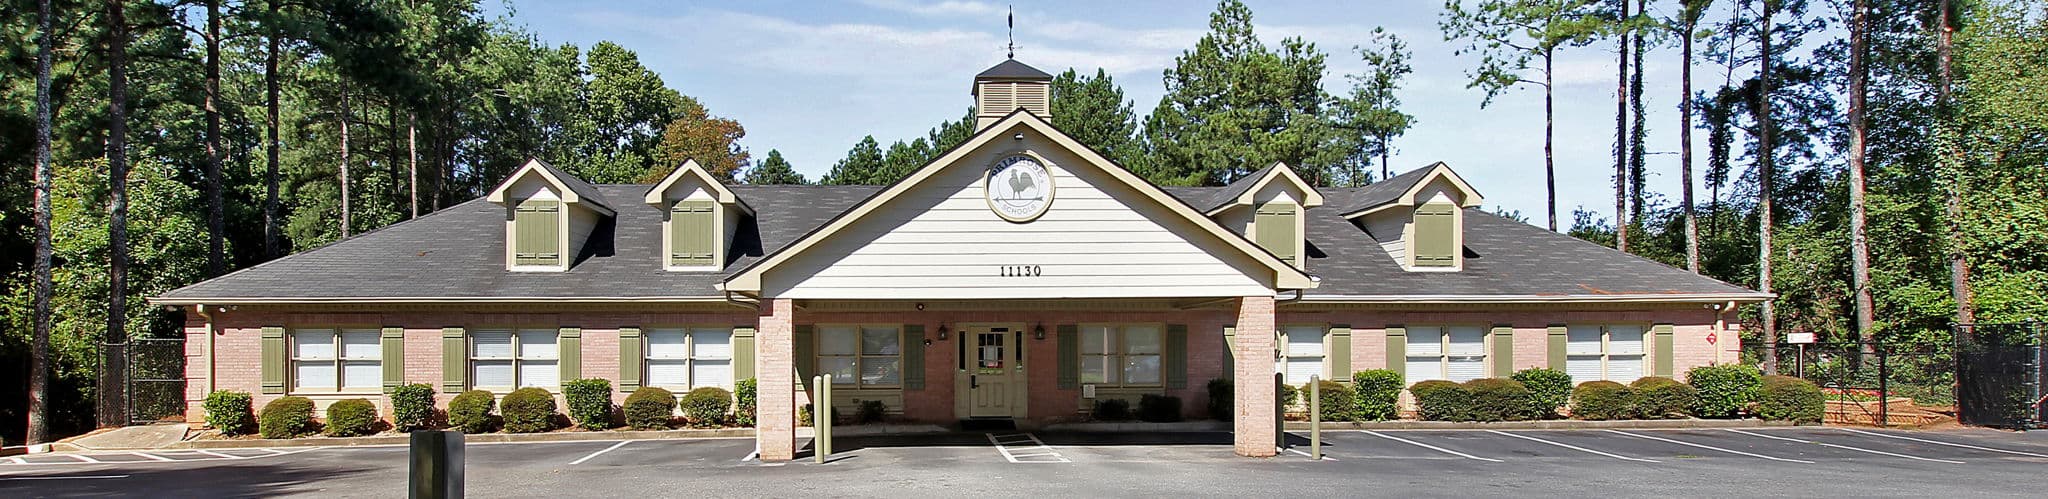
(1038, 332)
(942, 332)
(920, 307)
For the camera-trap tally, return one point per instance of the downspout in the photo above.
(211, 385)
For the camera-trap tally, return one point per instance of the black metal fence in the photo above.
(155, 388)
(1871, 382)
(2000, 367)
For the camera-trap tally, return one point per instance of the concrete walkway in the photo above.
(156, 436)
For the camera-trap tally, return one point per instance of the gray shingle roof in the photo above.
(458, 253)
(1382, 192)
(1012, 70)
(583, 189)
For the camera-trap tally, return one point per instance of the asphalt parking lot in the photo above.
(1767, 462)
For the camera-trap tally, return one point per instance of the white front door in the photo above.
(993, 375)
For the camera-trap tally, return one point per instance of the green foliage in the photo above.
(1439, 400)
(745, 408)
(1233, 106)
(1112, 410)
(286, 417)
(1222, 400)
(1158, 408)
(352, 417)
(1510, 34)
(1603, 400)
(697, 135)
(471, 411)
(1663, 398)
(590, 402)
(529, 410)
(870, 411)
(1094, 112)
(1379, 393)
(1498, 399)
(229, 412)
(1549, 389)
(706, 407)
(412, 407)
(650, 408)
(1785, 398)
(862, 166)
(775, 171)
(1340, 402)
(1290, 396)
(1371, 115)
(1724, 390)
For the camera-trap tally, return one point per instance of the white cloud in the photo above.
(938, 9)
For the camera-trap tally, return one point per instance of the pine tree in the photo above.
(1371, 114)
(862, 165)
(775, 171)
(1510, 35)
(1094, 112)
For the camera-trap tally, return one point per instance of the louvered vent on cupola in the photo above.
(1008, 87)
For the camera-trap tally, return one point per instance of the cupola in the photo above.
(1008, 87)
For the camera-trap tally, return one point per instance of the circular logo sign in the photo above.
(1018, 188)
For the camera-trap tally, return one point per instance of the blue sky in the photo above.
(812, 78)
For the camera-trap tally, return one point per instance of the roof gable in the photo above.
(1405, 190)
(1244, 191)
(572, 190)
(690, 170)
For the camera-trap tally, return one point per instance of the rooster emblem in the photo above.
(1019, 183)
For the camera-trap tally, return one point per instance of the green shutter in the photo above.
(394, 358)
(1229, 352)
(692, 232)
(1503, 350)
(1665, 349)
(805, 350)
(913, 356)
(743, 352)
(276, 360)
(1397, 349)
(1174, 356)
(1435, 235)
(569, 349)
(1070, 357)
(454, 360)
(1274, 225)
(537, 224)
(1339, 357)
(631, 355)
(1556, 348)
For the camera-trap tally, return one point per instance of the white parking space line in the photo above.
(1574, 447)
(1037, 452)
(622, 443)
(151, 456)
(1430, 447)
(1845, 447)
(17, 460)
(1938, 442)
(79, 477)
(1326, 457)
(83, 458)
(220, 455)
(1709, 447)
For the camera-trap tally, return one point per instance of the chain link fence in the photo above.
(2002, 374)
(1889, 383)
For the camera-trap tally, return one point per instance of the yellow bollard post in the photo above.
(817, 423)
(1315, 418)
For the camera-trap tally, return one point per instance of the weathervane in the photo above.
(1013, 32)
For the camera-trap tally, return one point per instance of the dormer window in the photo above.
(693, 234)
(1436, 234)
(703, 217)
(1278, 229)
(1272, 200)
(536, 232)
(549, 217)
(1418, 217)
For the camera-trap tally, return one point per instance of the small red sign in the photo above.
(1712, 339)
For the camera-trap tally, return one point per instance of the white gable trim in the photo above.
(534, 167)
(1310, 197)
(690, 168)
(1437, 171)
(1285, 276)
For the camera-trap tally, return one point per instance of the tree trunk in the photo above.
(1692, 228)
(1549, 127)
(1859, 246)
(270, 143)
(1766, 176)
(1638, 131)
(412, 150)
(1958, 260)
(1621, 136)
(216, 210)
(39, 344)
(346, 220)
(112, 408)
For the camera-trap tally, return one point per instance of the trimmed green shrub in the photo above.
(1112, 410)
(1378, 393)
(1159, 408)
(352, 417)
(1659, 397)
(287, 417)
(870, 411)
(529, 410)
(471, 411)
(412, 407)
(745, 408)
(590, 402)
(1498, 399)
(1725, 390)
(1222, 400)
(230, 412)
(1602, 400)
(1785, 398)
(1340, 403)
(650, 408)
(803, 416)
(1289, 396)
(1441, 400)
(706, 407)
(1549, 389)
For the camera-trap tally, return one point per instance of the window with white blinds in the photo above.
(1120, 355)
(689, 357)
(1604, 352)
(336, 360)
(1455, 353)
(504, 359)
(860, 356)
(1301, 354)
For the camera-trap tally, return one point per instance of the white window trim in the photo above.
(338, 361)
(561, 236)
(717, 237)
(859, 359)
(1607, 351)
(1443, 356)
(1120, 354)
(518, 361)
(1285, 355)
(689, 357)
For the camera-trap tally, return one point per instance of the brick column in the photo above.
(1256, 395)
(774, 353)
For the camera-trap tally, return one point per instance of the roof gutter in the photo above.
(1716, 298)
(426, 299)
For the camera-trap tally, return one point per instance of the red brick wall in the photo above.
(1531, 349)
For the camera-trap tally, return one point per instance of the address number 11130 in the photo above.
(1022, 271)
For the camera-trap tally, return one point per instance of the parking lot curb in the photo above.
(1666, 424)
(402, 439)
(1137, 427)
